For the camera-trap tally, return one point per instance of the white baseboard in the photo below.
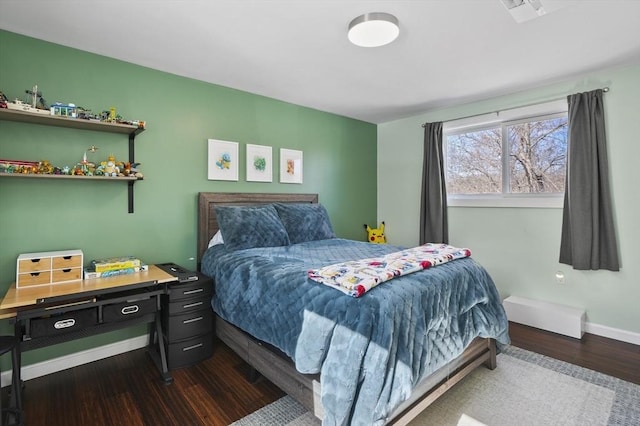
(612, 333)
(78, 358)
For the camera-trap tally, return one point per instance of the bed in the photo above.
(381, 358)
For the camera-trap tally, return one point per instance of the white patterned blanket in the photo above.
(356, 277)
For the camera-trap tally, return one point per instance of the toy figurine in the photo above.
(45, 168)
(110, 167)
(376, 235)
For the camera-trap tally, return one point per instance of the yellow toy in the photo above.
(376, 235)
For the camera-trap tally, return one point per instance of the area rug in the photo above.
(525, 389)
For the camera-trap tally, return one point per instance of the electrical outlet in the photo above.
(560, 277)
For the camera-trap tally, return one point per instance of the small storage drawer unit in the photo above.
(187, 321)
(51, 267)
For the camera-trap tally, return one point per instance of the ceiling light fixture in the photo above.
(373, 29)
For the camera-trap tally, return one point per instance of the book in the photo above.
(114, 263)
(90, 273)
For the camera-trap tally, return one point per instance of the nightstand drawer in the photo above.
(179, 327)
(189, 290)
(189, 305)
(189, 352)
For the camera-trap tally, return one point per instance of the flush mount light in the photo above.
(373, 29)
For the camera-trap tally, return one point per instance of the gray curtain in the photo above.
(588, 235)
(433, 204)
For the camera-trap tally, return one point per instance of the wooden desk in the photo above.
(91, 307)
(53, 293)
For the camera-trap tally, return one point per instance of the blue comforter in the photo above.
(370, 351)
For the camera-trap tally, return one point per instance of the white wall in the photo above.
(520, 246)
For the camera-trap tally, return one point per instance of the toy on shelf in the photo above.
(37, 105)
(376, 235)
(109, 168)
(84, 167)
(18, 166)
(64, 110)
(131, 169)
(45, 168)
(110, 116)
(3, 100)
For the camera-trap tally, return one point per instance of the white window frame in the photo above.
(505, 118)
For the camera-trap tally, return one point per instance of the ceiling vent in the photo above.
(524, 10)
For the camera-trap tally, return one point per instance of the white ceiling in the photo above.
(449, 52)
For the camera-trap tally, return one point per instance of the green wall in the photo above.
(181, 114)
(520, 246)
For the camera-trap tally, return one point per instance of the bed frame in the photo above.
(280, 370)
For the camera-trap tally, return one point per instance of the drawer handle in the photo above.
(191, 305)
(35, 274)
(188, 348)
(130, 309)
(66, 271)
(35, 260)
(66, 323)
(66, 257)
(192, 320)
(197, 290)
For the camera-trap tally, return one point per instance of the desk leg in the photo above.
(164, 369)
(15, 414)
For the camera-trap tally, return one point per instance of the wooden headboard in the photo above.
(207, 222)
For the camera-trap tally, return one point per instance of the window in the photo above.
(508, 162)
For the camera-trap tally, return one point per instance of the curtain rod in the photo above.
(604, 89)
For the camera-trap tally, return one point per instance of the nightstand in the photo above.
(187, 317)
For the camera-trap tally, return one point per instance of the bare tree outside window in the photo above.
(536, 158)
(474, 162)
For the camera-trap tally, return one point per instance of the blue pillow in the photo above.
(249, 227)
(305, 222)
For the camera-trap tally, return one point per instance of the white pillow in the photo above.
(216, 240)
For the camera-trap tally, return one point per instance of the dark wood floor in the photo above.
(127, 389)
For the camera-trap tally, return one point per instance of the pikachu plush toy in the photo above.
(376, 235)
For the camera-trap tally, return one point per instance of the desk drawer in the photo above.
(64, 323)
(129, 309)
(189, 352)
(179, 327)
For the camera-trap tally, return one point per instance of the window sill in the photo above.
(540, 202)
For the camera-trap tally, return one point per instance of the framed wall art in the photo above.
(259, 163)
(223, 160)
(290, 166)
